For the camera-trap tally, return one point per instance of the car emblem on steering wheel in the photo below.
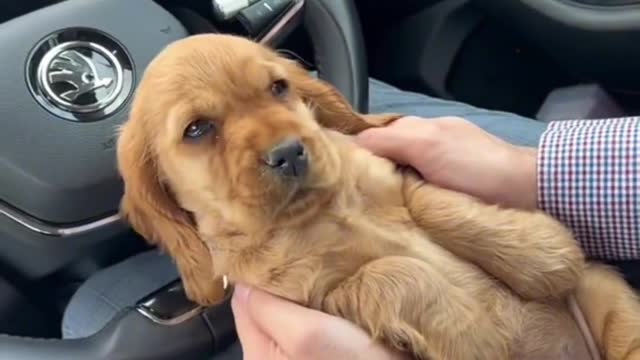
(82, 79)
(78, 71)
(68, 74)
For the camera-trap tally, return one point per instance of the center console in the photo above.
(163, 326)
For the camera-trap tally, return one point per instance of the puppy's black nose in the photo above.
(289, 158)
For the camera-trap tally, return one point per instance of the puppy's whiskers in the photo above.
(312, 106)
(212, 253)
(284, 205)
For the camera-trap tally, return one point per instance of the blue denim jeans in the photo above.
(515, 129)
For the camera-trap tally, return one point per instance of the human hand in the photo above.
(454, 153)
(271, 328)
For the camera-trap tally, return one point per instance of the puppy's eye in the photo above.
(279, 88)
(198, 129)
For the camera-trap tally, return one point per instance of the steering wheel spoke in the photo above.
(285, 22)
(265, 21)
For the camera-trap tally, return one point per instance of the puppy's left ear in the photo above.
(149, 207)
(331, 108)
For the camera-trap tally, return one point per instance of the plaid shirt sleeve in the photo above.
(589, 179)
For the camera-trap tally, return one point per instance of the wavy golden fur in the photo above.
(425, 270)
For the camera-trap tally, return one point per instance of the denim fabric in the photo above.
(515, 129)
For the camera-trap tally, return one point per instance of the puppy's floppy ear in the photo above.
(151, 210)
(331, 108)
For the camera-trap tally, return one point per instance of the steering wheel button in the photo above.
(257, 18)
(226, 9)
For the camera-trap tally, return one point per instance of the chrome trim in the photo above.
(295, 9)
(197, 310)
(173, 321)
(43, 228)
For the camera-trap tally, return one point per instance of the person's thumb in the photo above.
(279, 319)
(255, 343)
(297, 330)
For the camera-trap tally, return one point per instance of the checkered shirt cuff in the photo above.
(589, 179)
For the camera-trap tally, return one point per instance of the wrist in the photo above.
(518, 187)
(526, 178)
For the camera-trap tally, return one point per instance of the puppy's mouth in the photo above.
(296, 194)
(302, 202)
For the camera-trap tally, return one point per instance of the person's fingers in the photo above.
(294, 328)
(255, 343)
(302, 333)
(385, 143)
(390, 143)
(397, 141)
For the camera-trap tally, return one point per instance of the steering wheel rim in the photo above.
(339, 49)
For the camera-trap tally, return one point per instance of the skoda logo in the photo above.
(80, 75)
(68, 75)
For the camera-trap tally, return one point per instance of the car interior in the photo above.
(59, 187)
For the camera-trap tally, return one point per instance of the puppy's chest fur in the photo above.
(365, 220)
(305, 263)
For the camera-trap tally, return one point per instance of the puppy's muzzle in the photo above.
(288, 159)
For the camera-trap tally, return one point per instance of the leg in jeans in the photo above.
(515, 129)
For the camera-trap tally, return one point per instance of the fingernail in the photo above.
(241, 293)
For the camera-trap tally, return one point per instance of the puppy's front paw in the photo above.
(206, 293)
(407, 340)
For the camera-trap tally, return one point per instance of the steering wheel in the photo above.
(68, 74)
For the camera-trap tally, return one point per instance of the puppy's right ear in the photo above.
(149, 207)
(331, 108)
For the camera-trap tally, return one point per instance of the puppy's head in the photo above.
(225, 129)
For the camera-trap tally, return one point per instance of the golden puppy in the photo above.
(236, 163)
